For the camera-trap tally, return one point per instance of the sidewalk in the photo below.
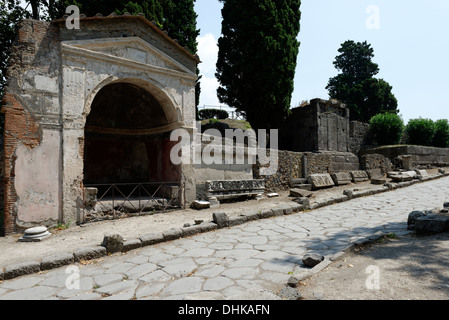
(91, 235)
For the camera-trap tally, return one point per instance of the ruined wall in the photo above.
(358, 135)
(419, 155)
(290, 166)
(320, 126)
(31, 136)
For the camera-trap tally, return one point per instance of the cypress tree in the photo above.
(257, 58)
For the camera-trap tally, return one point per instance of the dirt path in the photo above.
(404, 268)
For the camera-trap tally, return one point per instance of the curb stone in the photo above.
(91, 253)
(20, 269)
(57, 260)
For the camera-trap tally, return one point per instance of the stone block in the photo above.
(320, 180)
(200, 204)
(431, 223)
(342, 178)
(221, 219)
(375, 174)
(113, 243)
(228, 189)
(300, 193)
(305, 186)
(359, 176)
(312, 259)
(378, 181)
(401, 176)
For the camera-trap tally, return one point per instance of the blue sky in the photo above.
(410, 41)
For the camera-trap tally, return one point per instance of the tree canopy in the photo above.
(257, 58)
(356, 85)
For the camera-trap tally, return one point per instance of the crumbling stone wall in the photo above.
(358, 136)
(375, 161)
(323, 125)
(290, 166)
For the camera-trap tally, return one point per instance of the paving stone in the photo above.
(34, 293)
(184, 285)
(149, 290)
(106, 279)
(156, 276)
(118, 287)
(240, 273)
(86, 284)
(217, 284)
(209, 271)
(237, 254)
(140, 270)
(120, 267)
(21, 283)
(197, 253)
(181, 269)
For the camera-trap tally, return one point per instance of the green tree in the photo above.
(420, 132)
(441, 137)
(386, 128)
(356, 85)
(257, 58)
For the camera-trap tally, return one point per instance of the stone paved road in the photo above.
(252, 260)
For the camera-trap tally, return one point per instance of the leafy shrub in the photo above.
(386, 128)
(213, 113)
(420, 132)
(441, 138)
